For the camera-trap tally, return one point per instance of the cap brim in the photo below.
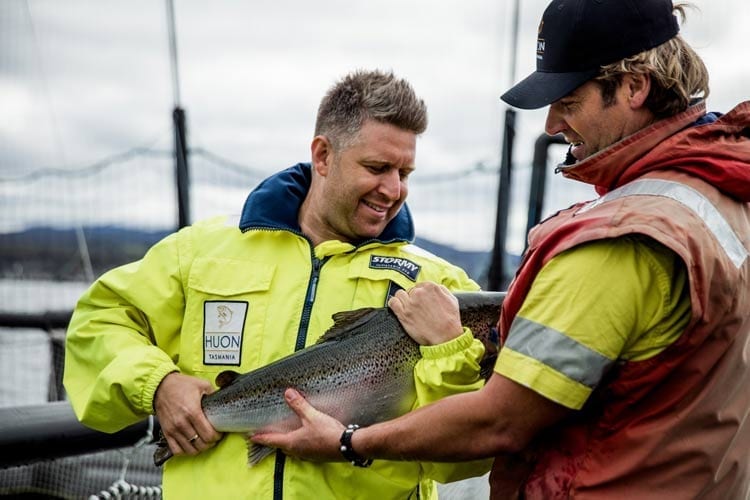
(542, 88)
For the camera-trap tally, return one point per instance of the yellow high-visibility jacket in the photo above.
(275, 294)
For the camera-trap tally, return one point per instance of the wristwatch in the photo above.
(352, 456)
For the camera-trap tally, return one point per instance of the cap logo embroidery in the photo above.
(540, 42)
(540, 48)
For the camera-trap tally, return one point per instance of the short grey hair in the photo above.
(363, 95)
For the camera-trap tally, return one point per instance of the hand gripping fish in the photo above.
(360, 371)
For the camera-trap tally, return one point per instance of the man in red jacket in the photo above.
(624, 370)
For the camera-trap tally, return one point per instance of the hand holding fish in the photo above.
(428, 312)
(364, 344)
(430, 315)
(177, 403)
(317, 439)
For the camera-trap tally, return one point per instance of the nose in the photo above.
(555, 123)
(392, 186)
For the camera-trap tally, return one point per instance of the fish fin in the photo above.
(162, 452)
(347, 323)
(257, 452)
(227, 377)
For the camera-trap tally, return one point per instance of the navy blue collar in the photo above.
(707, 118)
(275, 204)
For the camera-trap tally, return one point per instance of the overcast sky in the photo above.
(81, 80)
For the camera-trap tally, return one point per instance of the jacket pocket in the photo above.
(226, 277)
(226, 307)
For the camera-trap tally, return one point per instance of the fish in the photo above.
(359, 371)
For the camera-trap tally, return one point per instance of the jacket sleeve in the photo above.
(451, 367)
(123, 339)
(446, 369)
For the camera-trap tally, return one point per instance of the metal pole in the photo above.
(34, 433)
(539, 178)
(514, 42)
(182, 172)
(496, 274)
(496, 279)
(173, 54)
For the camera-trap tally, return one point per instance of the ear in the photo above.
(638, 86)
(322, 154)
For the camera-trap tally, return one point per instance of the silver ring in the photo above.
(194, 438)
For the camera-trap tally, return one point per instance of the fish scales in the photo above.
(360, 371)
(364, 370)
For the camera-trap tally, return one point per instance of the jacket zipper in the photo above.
(312, 288)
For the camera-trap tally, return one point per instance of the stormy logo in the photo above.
(403, 266)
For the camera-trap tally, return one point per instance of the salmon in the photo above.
(360, 371)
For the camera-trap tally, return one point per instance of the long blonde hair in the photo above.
(678, 74)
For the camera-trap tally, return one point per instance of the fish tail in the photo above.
(255, 453)
(162, 452)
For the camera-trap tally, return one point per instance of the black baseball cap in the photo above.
(577, 37)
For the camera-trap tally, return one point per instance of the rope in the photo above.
(121, 489)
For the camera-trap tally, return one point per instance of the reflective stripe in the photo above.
(690, 198)
(558, 351)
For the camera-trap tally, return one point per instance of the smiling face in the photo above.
(590, 124)
(357, 191)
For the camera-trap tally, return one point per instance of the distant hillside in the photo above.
(475, 263)
(49, 253)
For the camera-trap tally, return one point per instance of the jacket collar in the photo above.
(712, 147)
(605, 168)
(275, 204)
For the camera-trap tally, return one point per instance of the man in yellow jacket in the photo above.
(312, 240)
